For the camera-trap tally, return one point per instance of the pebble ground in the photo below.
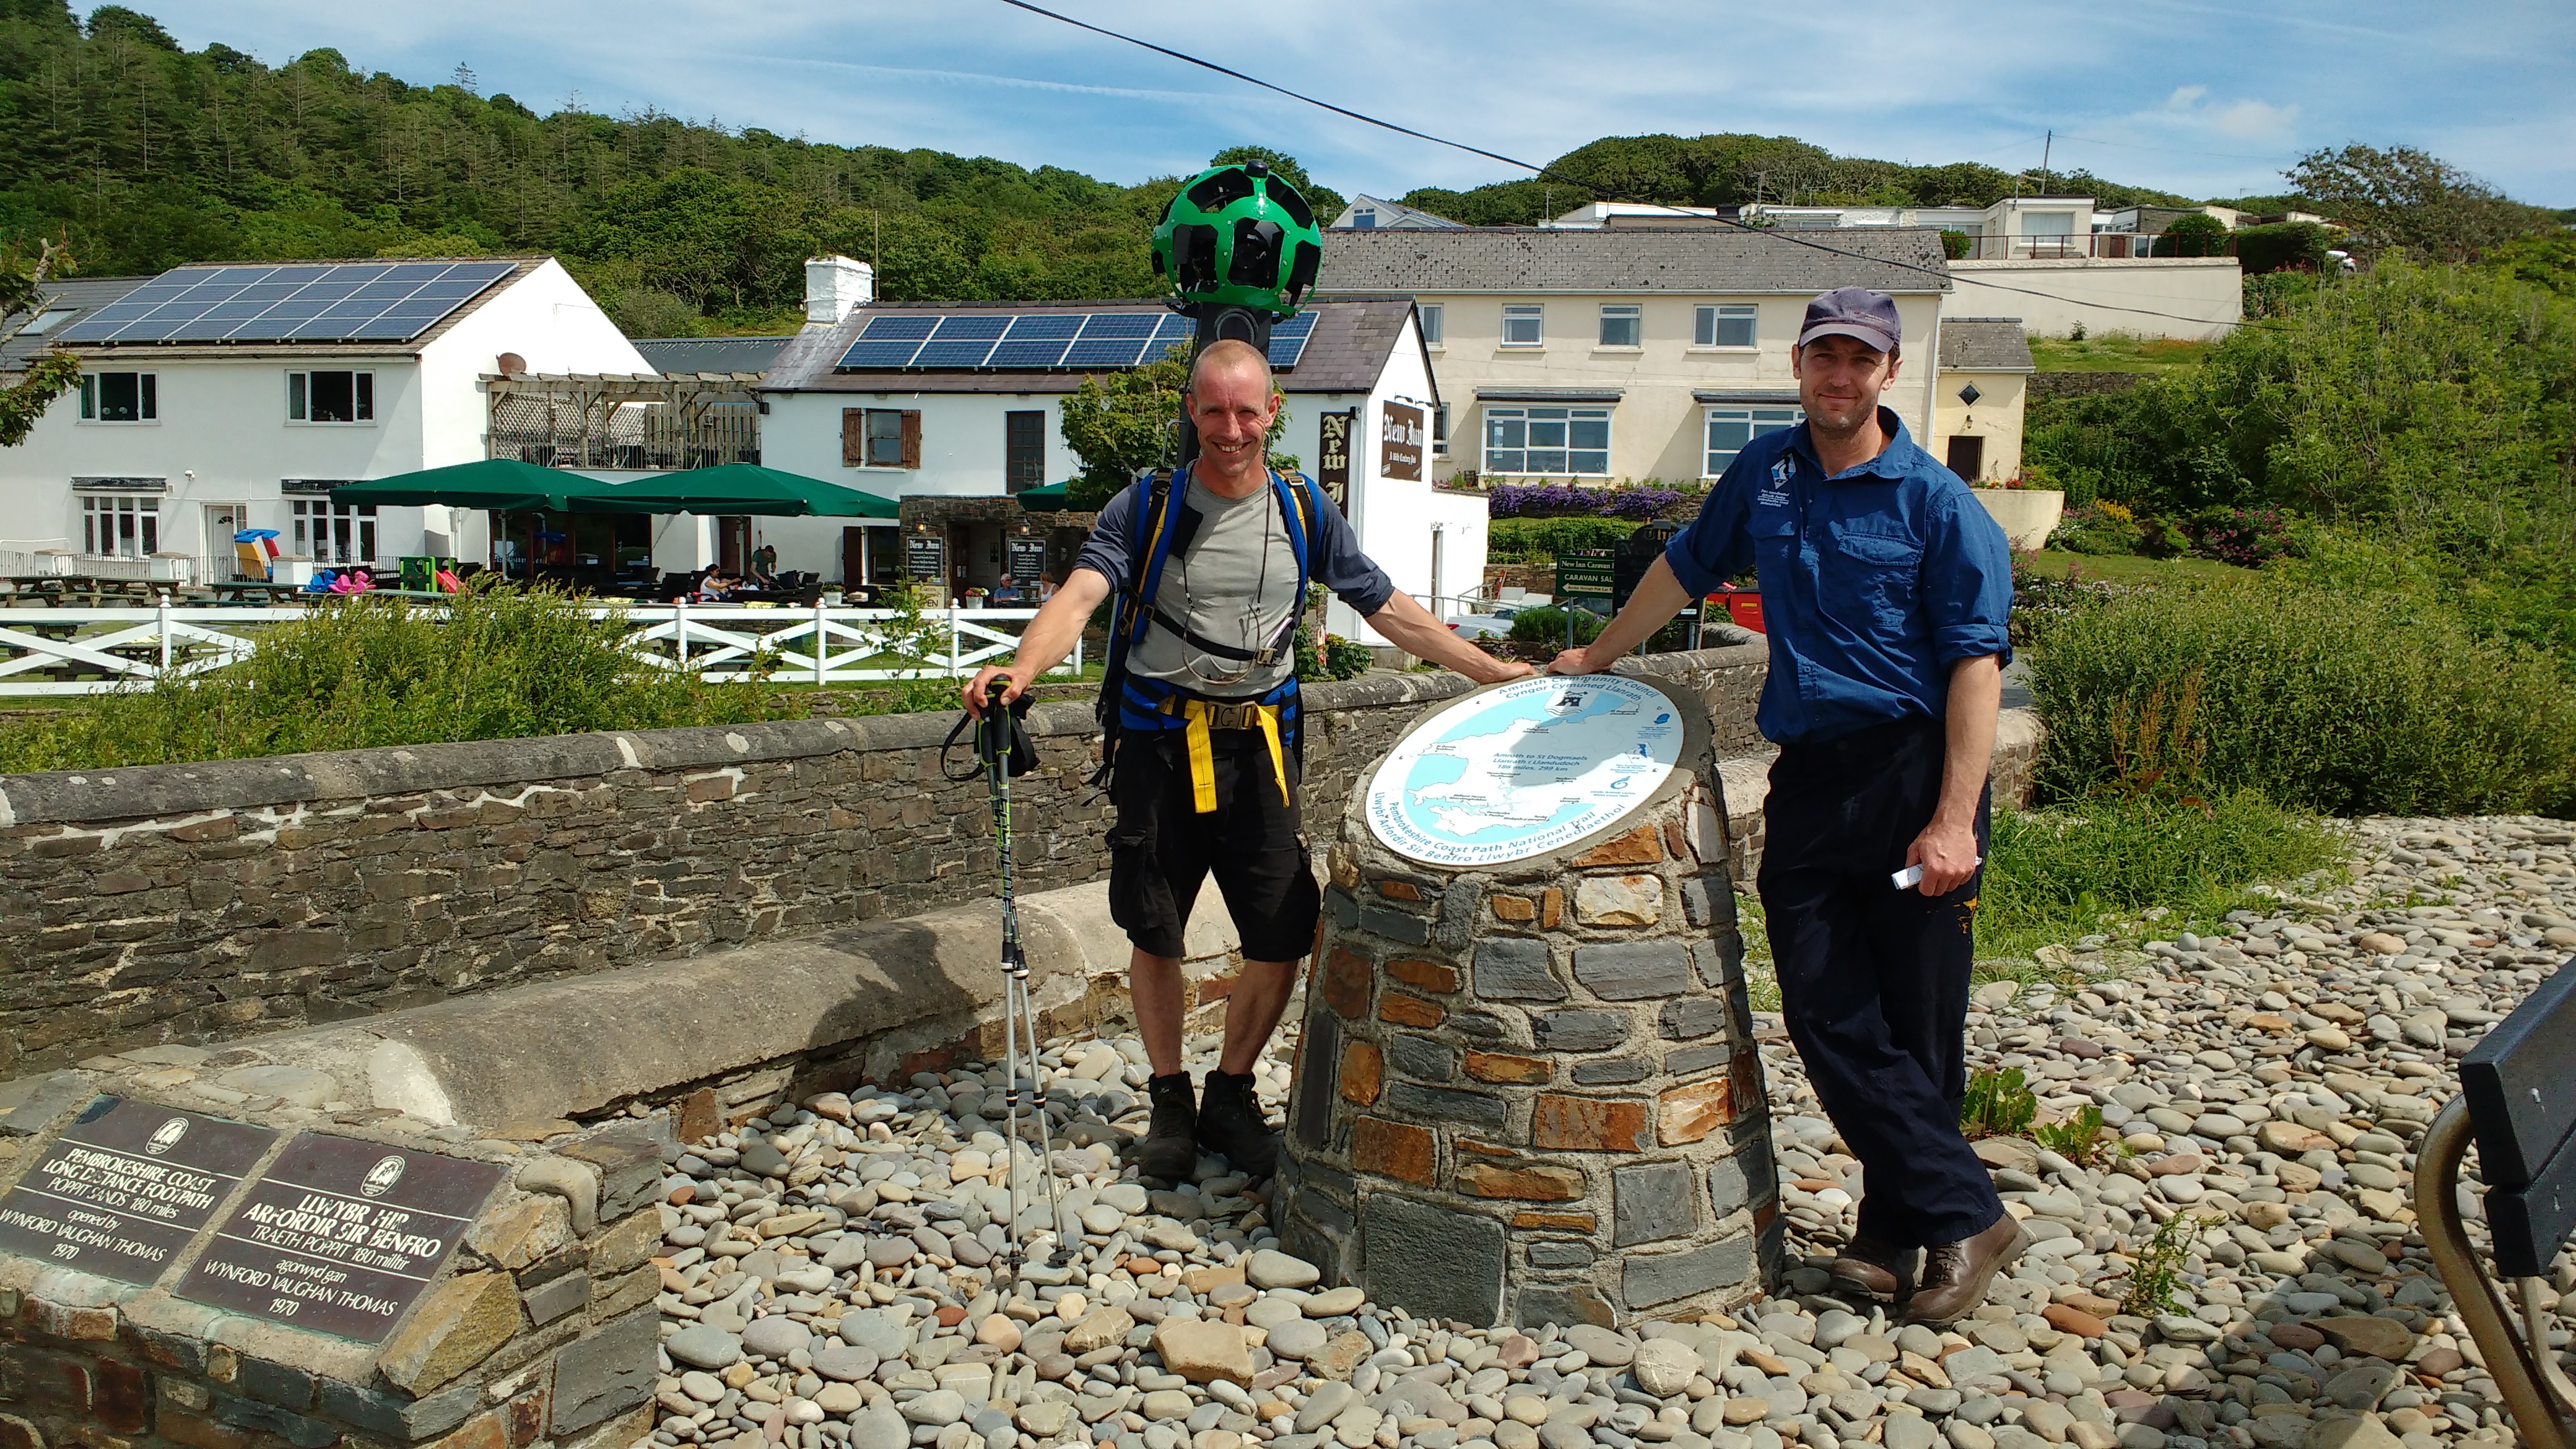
(837, 1274)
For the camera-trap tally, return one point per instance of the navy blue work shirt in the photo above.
(1875, 581)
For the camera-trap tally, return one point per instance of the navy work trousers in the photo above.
(1874, 979)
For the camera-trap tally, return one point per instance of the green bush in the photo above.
(2100, 527)
(1540, 540)
(492, 664)
(2280, 247)
(2325, 697)
(2275, 294)
(1547, 626)
(2055, 871)
(2196, 235)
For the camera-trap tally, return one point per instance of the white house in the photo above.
(953, 408)
(219, 397)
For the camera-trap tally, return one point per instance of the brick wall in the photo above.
(191, 903)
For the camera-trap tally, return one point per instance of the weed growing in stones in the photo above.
(1997, 1105)
(2081, 1139)
(2151, 1282)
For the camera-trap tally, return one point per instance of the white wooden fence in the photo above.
(91, 651)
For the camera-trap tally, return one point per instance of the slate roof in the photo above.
(1984, 344)
(711, 354)
(1699, 259)
(79, 296)
(1348, 352)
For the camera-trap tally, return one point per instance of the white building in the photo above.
(953, 408)
(215, 398)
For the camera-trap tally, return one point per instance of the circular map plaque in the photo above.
(1524, 769)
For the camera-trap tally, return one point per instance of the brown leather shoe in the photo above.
(1875, 1268)
(1955, 1275)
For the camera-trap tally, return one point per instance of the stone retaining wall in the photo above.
(539, 1331)
(195, 903)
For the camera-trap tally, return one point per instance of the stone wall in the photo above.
(538, 1331)
(196, 903)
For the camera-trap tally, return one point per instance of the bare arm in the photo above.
(1402, 619)
(1947, 848)
(1049, 637)
(1658, 598)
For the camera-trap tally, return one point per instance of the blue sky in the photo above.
(2202, 98)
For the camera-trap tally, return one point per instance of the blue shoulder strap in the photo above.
(1295, 505)
(1154, 546)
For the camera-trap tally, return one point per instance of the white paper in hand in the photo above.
(1912, 876)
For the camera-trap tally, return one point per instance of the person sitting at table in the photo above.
(715, 587)
(1006, 594)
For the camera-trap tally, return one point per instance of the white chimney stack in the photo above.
(836, 284)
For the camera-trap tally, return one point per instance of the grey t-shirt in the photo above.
(1218, 584)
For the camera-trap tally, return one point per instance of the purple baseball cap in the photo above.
(1854, 312)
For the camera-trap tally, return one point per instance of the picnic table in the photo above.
(252, 591)
(79, 591)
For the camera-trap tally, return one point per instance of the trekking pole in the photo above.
(1019, 1013)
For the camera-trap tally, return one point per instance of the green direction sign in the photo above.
(1591, 573)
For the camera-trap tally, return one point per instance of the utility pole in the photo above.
(2046, 176)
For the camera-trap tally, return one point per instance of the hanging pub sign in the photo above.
(1028, 560)
(925, 556)
(1333, 456)
(1401, 441)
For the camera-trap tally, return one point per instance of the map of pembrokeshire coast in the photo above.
(1537, 764)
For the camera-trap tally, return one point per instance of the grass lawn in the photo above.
(2115, 354)
(2129, 569)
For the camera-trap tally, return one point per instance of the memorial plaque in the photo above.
(126, 1186)
(339, 1236)
(1523, 768)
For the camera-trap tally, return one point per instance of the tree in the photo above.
(1326, 202)
(2196, 235)
(2403, 197)
(22, 300)
(1123, 424)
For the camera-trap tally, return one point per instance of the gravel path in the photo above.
(831, 1274)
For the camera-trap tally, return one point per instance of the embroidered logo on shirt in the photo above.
(1780, 472)
(1771, 499)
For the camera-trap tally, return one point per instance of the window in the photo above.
(1619, 326)
(880, 438)
(334, 533)
(1440, 431)
(1723, 326)
(1521, 326)
(46, 322)
(1024, 450)
(1573, 441)
(120, 527)
(1431, 320)
(1364, 219)
(120, 397)
(1730, 428)
(331, 397)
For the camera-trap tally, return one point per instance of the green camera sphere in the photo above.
(1239, 236)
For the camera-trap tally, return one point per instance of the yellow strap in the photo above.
(1278, 763)
(1202, 759)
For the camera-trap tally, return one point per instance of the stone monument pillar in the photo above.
(1527, 1089)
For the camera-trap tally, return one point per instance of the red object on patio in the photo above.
(1744, 606)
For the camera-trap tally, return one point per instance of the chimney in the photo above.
(836, 284)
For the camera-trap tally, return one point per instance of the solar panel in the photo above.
(1033, 342)
(1288, 340)
(374, 301)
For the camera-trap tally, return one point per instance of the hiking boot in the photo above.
(1955, 1275)
(1170, 1150)
(1230, 1124)
(1875, 1268)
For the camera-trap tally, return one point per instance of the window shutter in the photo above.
(854, 437)
(912, 440)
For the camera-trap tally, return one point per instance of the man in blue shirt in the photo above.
(1885, 590)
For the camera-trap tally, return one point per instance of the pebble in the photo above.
(842, 1269)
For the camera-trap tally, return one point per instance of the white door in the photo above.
(223, 520)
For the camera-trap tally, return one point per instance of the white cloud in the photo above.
(2185, 97)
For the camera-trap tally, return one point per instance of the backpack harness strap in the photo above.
(1155, 705)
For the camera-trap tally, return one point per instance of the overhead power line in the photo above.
(1546, 174)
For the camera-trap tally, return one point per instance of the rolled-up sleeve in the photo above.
(1967, 580)
(1106, 551)
(1715, 547)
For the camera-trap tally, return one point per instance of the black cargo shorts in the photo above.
(1161, 849)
